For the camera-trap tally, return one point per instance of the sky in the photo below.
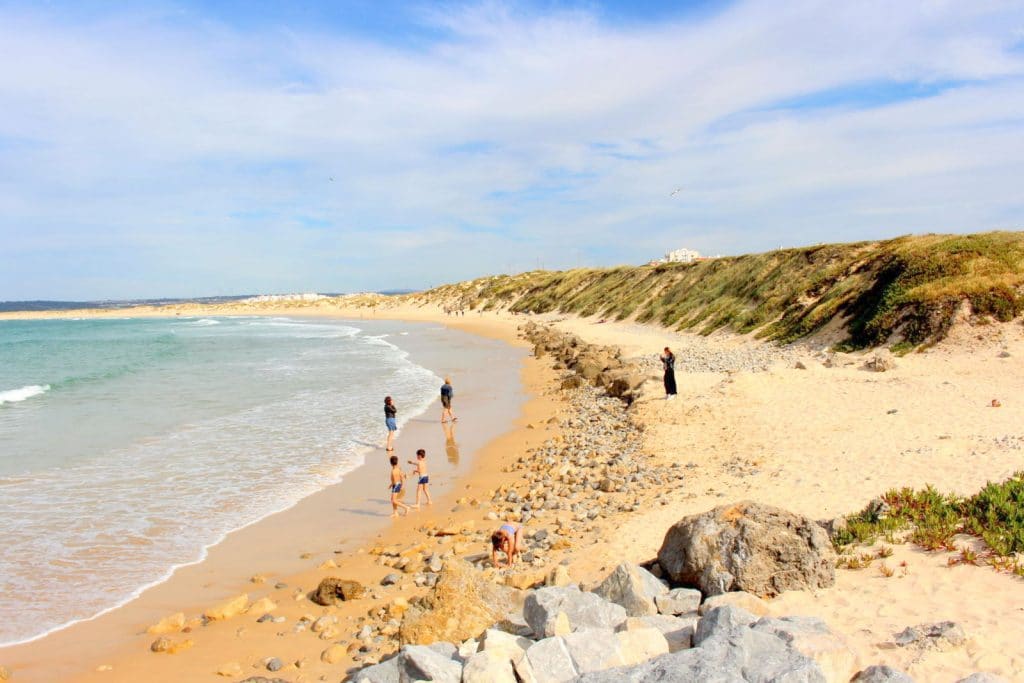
(177, 149)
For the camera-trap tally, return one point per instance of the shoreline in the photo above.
(194, 585)
(749, 423)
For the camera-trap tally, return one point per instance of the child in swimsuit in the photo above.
(507, 539)
(422, 478)
(397, 479)
(390, 416)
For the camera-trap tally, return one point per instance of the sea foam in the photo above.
(22, 394)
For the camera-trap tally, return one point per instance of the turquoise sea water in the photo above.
(128, 446)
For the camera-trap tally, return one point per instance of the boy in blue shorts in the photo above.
(422, 478)
(397, 479)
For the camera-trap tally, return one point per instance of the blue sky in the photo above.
(188, 148)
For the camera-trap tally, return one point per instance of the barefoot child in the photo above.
(507, 539)
(397, 478)
(422, 478)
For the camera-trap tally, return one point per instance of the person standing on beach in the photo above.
(390, 413)
(397, 479)
(446, 401)
(422, 477)
(668, 361)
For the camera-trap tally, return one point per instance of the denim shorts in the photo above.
(390, 422)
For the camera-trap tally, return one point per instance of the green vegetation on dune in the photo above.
(904, 291)
(930, 519)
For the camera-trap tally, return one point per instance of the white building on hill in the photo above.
(678, 256)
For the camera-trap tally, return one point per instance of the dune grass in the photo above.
(903, 292)
(995, 515)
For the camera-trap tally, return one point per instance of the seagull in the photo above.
(674, 192)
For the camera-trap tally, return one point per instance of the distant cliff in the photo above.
(903, 292)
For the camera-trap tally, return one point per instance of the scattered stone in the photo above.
(230, 670)
(678, 601)
(390, 580)
(171, 624)
(881, 673)
(748, 546)
(161, 644)
(5, 673)
(229, 609)
(333, 654)
(634, 588)
(559, 576)
(881, 361)
(274, 664)
(944, 635)
(262, 606)
(333, 591)
(582, 610)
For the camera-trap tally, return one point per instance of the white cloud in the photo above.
(205, 149)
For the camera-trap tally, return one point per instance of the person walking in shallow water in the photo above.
(390, 413)
(446, 401)
(668, 361)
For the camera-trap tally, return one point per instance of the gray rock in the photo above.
(748, 546)
(741, 656)
(422, 663)
(678, 631)
(678, 601)
(880, 673)
(943, 635)
(593, 649)
(504, 645)
(634, 588)
(390, 580)
(274, 664)
(721, 620)
(813, 638)
(547, 661)
(983, 677)
(385, 672)
(447, 650)
(583, 610)
(256, 679)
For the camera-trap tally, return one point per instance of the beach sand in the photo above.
(818, 441)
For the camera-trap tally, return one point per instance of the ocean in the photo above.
(129, 446)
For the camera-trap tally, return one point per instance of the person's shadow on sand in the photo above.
(369, 513)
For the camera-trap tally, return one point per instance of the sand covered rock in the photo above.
(634, 588)
(333, 591)
(463, 604)
(333, 654)
(171, 624)
(880, 673)
(741, 599)
(812, 637)
(487, 667)
(748, 546)
(5, 673)
(229, 609)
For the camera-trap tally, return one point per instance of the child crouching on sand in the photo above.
(397, 478)
(422, 478)
(507, 539)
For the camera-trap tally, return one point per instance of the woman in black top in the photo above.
(668, 360)
(390, 412)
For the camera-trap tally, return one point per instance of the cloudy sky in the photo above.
(188, 148)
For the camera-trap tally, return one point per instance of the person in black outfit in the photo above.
(668, 361)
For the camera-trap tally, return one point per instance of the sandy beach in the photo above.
(747, 424)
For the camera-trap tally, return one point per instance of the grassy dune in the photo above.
(903, 291)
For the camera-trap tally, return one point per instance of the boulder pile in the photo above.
(599, 366)
(632, 627)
